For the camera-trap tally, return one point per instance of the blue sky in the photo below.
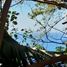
(23, 18)
(25, 22)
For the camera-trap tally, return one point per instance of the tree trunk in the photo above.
(3, 18)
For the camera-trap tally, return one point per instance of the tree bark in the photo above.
(3, 18)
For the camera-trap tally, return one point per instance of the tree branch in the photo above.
(16, 3)
(53, 3)
(47, 62)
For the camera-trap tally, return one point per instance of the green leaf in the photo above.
(15, 22)
(30, 36)
(17, 13)
(7, 21)
(12, 19)
(15, 17)
(9, 11)
(15, 36)
(22, 29)
(14, 12)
